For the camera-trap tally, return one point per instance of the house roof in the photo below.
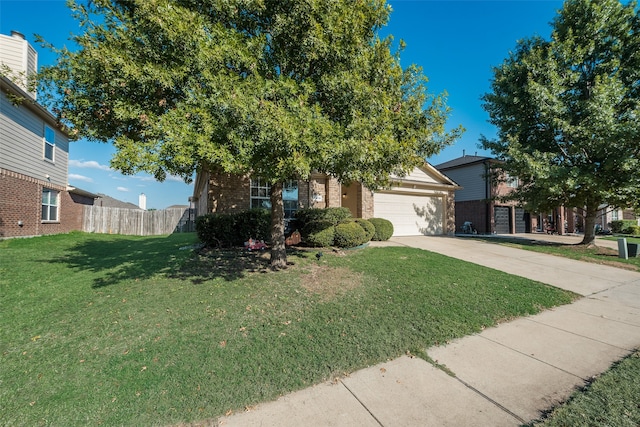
(81, 192)
(463, 161)
(110, 202)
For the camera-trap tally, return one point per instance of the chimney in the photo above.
(142, 201)
(464, 153)
(21, 58)
(17, 35)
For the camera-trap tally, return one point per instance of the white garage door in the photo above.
(410, 215)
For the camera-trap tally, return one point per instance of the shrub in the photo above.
(332, 215)
(254, 223)
(215, 230)
(369, 228)
(384, 229)
(633, 230)
(318, 234)
(349, 234)
(620, 226)
(227, 230)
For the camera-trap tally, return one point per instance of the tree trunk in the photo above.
(590, 214)
(278, 248)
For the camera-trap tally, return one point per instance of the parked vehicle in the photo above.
(468, 228)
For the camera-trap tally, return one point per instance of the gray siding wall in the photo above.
(472, 179)
(22, 144)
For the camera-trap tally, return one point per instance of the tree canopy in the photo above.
(567, 111)
(271, 88)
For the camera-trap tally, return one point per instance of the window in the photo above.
(49, 143)
(512, 181)
(261, 190)
(290, 198)
(614, 215)
(49, 205)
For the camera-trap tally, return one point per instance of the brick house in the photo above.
(34, 196)
(419, 203)
(476, 201)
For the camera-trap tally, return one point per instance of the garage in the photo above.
(501, 217)
(411, 214)
(522, 219)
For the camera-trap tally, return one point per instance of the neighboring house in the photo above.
(420, 203)
(109, 202)
(34, 152)
(476, 201)
(608, 214)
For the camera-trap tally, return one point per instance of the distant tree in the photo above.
(568, 111)
(271, 88)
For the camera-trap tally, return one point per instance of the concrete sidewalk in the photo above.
(504, 376)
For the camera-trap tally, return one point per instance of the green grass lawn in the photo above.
(122, 330)
(630, 239)
(610, 400)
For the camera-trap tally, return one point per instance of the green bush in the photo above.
(318, 234)
(332, 215)
(254, 223)
(228, 230)
(620, 226)
(384, 229)
(215, 230)
(349, 234)
(369, 228)
(633, 230)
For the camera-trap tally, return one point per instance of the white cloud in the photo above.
(143, 178)
(91, 164)
(76, 177)
(174, 178)
(123, 189)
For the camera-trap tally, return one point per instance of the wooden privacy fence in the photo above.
(99, 219)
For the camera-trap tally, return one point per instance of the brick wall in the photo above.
(228, 193)
(72, 210)
(21, 201)
(474, 211)
(366, 200)
(333, 193)
(318, 188)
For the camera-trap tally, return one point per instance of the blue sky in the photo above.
(455, 42)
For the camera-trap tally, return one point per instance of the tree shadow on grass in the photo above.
(229, 264)
(125, 258)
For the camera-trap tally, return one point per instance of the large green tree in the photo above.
(568, 111)
(271, 88)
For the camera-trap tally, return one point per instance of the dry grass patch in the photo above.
(330, 282)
